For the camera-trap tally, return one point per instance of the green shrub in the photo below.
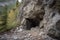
(8, 15)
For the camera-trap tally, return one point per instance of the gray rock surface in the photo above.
(47, 14)
(40, 18)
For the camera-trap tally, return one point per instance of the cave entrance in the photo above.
(30, 23)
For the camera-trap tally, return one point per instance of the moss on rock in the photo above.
(8, 14)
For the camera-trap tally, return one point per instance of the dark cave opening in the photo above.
(30, 23)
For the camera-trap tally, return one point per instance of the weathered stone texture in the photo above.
(46, 12)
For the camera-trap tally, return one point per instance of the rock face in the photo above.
(42, 13)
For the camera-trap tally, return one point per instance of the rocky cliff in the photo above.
(42, 13)
(39, 20)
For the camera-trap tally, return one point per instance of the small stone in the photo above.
(15, 37)
(20, 30)
(29, 34)
(41, 33)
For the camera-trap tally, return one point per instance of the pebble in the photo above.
(15, 37)
(29, 34)
(20, 30)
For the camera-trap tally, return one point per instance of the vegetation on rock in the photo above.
(8, 14)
